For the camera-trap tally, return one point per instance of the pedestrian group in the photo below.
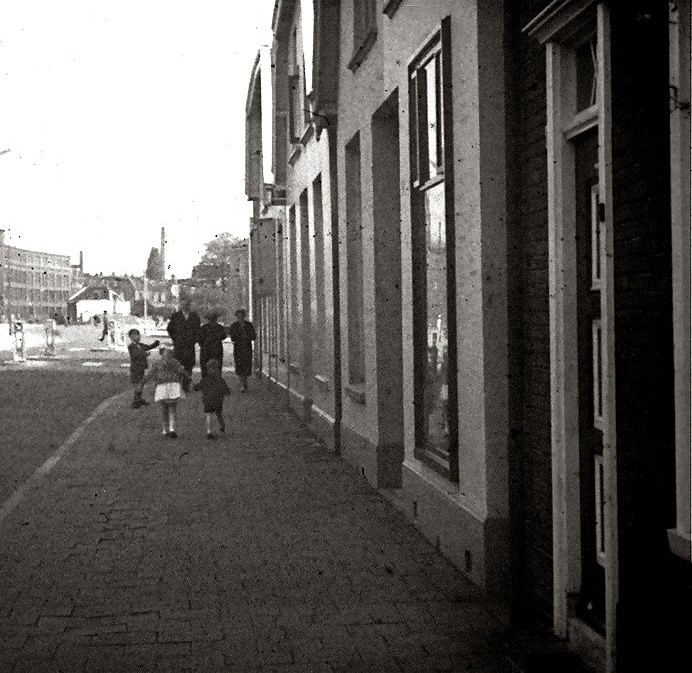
(172, 373)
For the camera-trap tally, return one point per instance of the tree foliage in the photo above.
(215, 266)
(155, 265)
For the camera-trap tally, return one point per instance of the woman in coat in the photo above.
(211, 337)
(242, 333)
(183, 328)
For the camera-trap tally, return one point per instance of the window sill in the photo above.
(360, 54)
(295, 153)
(391, 7)
(307, 134)
(432, 182)
(323, 383)
(356, 392)
(679, 544)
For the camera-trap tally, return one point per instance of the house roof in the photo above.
(96, 286)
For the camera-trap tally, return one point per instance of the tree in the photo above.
(217, 263)
(155, 265)
(207, 299)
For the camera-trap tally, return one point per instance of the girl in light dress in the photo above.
(168, 374)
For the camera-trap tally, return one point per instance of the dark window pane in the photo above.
(432, 113)
(585, 63)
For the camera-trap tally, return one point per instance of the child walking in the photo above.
(139, 354)
(214, 388)
(168, 374)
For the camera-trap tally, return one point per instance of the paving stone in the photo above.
(259, 552)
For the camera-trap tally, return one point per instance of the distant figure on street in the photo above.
(139, 354)
(168, 374)
(214, 389)
(242, 333)
(211, 337)
(183, 328)
(104, 331)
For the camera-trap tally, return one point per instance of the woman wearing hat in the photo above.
(242, 333)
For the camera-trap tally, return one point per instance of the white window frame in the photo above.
(556, 27)
(598, 396)
(599, 502)
(596, 242)
(679, 57)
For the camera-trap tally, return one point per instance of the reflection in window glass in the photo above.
(436, 384)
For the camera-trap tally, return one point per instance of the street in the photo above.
(258, 551)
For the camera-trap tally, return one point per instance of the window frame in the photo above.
(364, 31)
(438, 47)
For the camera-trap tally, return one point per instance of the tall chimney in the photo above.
(163, 251)
(2, 237)
(81, 261)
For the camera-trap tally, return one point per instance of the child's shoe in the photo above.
(211, 435)
(172, 434)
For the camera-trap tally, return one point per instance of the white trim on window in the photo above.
(605, 188)
(596, 242)
(599, 500)
(563, 341)
(557, 20)
(597, 349)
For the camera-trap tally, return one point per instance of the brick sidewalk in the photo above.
(256, 552)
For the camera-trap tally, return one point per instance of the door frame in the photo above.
(556, 27)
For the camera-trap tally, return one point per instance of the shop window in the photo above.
(354, 263)
(306, 281)
(298, 115)
(294, 268)
(433, 260)
(319, 334)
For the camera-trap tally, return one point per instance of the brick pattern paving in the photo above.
(258, 551)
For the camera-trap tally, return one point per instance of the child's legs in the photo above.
(164, 415)
(172, 414)
(219, 417)
(208, 416)
(136, 379)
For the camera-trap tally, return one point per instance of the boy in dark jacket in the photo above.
(139, 353)
(214, 389)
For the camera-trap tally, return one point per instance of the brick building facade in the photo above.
(34, 285)
(497, 331)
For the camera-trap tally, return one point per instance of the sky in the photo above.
(123, 117)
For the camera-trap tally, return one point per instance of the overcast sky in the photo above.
(122, 117)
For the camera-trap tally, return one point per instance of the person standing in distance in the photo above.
(104, 327)
(183, 328)
(242, 333)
